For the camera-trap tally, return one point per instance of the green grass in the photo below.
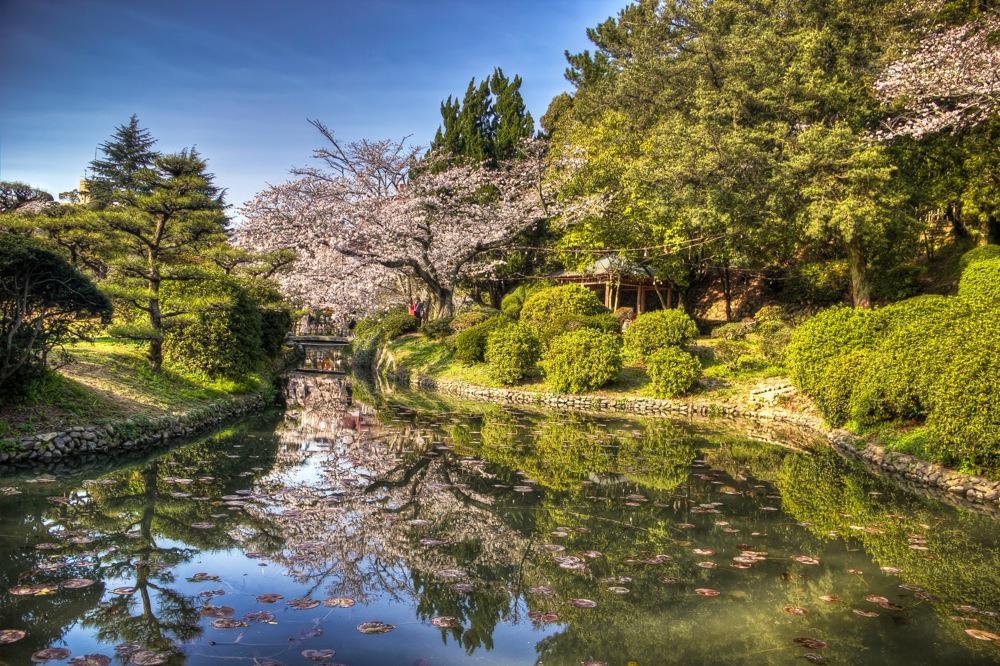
(106, 380)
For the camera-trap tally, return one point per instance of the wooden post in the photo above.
(640, 300)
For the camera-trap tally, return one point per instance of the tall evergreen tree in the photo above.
(512, 121)
(165, 226)
(126, 154)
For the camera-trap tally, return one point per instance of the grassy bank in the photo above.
(106, 381)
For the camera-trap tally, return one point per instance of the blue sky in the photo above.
(239, 78)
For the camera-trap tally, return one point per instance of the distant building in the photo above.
(622, 283)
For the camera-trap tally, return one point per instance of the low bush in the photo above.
(470, 316)
(771, 313)
(672, 372)
(980, 283)
(274, 326)
(819, 283)
(582, 360)
(604, 322)
(909, 358)
(981, 253)
(437, 329)
(397, 322)
(896, 283)
(655, 330)
(224, 340)
(964, 420)
(736, 330)
(836, 388)
(470, 344)
(545, 310)
(835, 331)
(512, 352)
(512, 303)
(771, 339)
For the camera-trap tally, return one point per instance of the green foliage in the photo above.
(470, 344)
(397, 322)
(512, 352)
(652, 331)
(672, 371)
(604, 322)
(964, 420)
(582, 360)
(980, 283)
(44, 302)
(818, 283)
(897, 382)
(513, 302)
(770, 313)
(470, 316)
(836, 387)
(896, 283)
(544, 311)
(736, 330)
(274, 326)
(224, 339)
(437, 329)
(835, 331)
(981, 253)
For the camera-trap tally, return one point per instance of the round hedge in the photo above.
(832, 332)
(837, 386)
(903, 367)
(582, 360)
(512, 303)
(981, 253)
(544, 310)
(512, 353)
(470, 344)
(655, 330)
(470, 316)
(980, 283)
(964, 420)
(672, 371)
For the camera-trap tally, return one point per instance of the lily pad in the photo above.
(339, 602)
(50, 654)
(90, 660)
(269, 598)
(583, 603)
(317, 655)
(77, 583)
(375, 627)
(148, 658)
(8, 636)
(444, 622)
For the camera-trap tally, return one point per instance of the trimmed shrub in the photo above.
(981, 253)
(771, 313)
(736, 330)
(397, 322)
(835, 331)
(274, 326)
(512, 303)
(654, 330)
(221, 341)
(818, 283)
(772, 338)
(544, 310)
(604, 322)
(837, 385)
(980, 283)
(470, 316)
(672, 372)
(906, 363)
(512, 352)
(621, 314)
(964, 420)
(470, 344)
(437, 329)
(582, 360)
(896, 283)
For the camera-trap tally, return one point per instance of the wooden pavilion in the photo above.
(622, 283)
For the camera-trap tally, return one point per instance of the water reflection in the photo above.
(512, 536)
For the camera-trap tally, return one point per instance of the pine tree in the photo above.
(512, 122)
(173, 215)
(126, 154)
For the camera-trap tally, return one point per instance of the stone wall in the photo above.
(940, 482)
(126, 435)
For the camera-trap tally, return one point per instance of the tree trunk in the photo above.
(860, 285)
(727, 292)
(992, 230)
(953, 213)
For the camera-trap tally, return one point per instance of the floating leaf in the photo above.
(542, 589)
(618, 590)
(805, 559)
(794, 610)
(305, 603)
(706, 592)
(77, 583)
(50, 654)
(269, 598)
(830, 598)
(149, 658)
(811, 643)
(375, 627)
(339, 602)
(228, 623)
(704, 551)
(8, 636)
(259, 616)
(876, 599)
(317, 655)
(707, 565)
(814, 658)
(864, 613)
(201, 577)
(90, 660)
(981, 635)
(583, 603)
(123, 591)
(444, 622)
(217, 611)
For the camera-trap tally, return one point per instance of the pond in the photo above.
(402, 528)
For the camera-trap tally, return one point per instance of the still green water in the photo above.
(407, 529)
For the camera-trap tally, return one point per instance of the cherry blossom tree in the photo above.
(950, 80)
(371, 213)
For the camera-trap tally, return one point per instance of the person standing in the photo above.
(418, 311)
